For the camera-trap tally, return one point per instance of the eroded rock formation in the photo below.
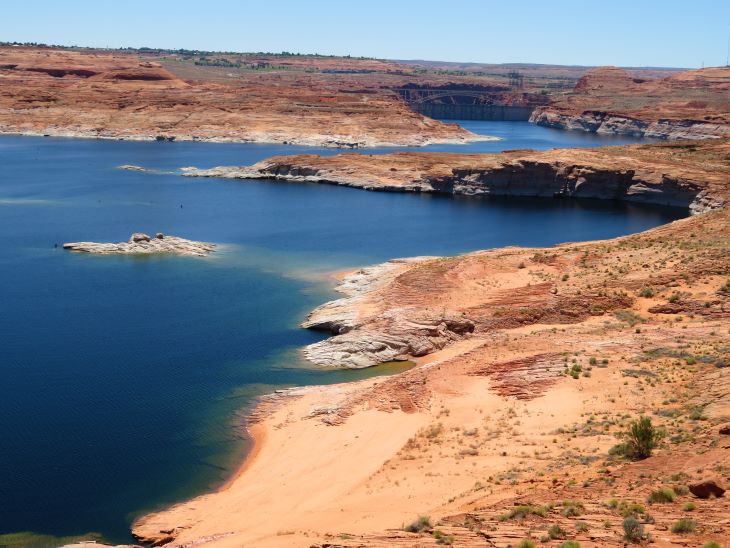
(76, 93)
(688, 105)
(689, 175)
(142, 244)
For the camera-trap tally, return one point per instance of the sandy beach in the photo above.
(487, 419)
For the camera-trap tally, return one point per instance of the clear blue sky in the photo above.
(619, 32)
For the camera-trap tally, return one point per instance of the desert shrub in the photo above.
(582, 526)
(421, 524)
(711, 544)
(570, 544)
(572, 508)
(662, 495)
(640, 440)
(633, 529)
(525, 543)
(443, 539)
(520, 512)
(674, 297)
(646, 292)
(696, 413)
(631, 509)
(690, 507)
(628, 316)
(684, 525)
(726, 286)
(556, 532)
(681, 489)
(433, 431)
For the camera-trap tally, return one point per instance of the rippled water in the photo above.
(121, 378)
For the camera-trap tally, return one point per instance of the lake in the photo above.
(123, 379)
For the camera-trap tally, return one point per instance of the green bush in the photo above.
(446, 540)
(421, 524)
(633, 529)
(570, 544)
(684, 525)
(641, 439)
(646, 292)
(525, 510)
(662, 495)
(711, 544)
(525, 543)
(631, 509)
(690, 507)
(556, 532)
(572, 508)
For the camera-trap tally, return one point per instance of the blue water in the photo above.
(122, 379)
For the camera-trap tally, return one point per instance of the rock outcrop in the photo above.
(691, 175)
(607, 100)
(73, 93)
(395, 335)
(706, 488)
(141, 244)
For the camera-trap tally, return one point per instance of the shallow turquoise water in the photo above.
(121, 378)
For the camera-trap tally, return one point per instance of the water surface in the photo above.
(122, 378)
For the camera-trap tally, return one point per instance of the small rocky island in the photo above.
(142, 244)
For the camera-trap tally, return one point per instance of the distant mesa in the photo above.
(693, 104)
(140, 243)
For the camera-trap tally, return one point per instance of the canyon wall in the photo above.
(608, 100)
(120, 95)
(656, 174)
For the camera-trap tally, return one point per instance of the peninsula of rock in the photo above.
(686, 174)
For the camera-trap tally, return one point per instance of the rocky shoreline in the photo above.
(67, 93)
(566, 344)
(666, 174)
(322, 141)
(694, 104)
(395, 336)
(605, 123)
(142, 244)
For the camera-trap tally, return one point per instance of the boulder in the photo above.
(706, 488)
(725, 430)
(139, 237)
(160, 236)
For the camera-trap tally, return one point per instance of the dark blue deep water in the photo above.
(122, 379)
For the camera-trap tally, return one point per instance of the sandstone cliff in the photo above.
(688, 105)
(689, 175)
(75, 93)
